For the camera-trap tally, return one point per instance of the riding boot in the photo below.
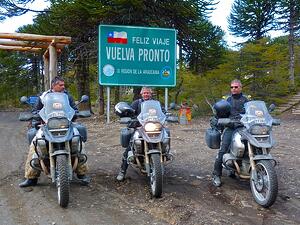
(122, 173)
(28, 182)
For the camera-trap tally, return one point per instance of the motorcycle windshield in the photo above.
(256, 113)
(56, 104)
(151, 112)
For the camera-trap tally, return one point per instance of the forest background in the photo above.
(269, 68)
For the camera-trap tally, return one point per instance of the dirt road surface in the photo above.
(188, 195)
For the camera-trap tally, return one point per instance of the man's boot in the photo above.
(85, 180)
(122, 173)
(217, 181)
(28, 182)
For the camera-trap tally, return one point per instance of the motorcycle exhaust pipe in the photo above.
(239, 171)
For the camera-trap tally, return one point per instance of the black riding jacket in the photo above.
(237, 102)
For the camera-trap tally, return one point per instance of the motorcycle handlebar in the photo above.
(227, 122)
(83, 114)
(276, 122)
(27, 116)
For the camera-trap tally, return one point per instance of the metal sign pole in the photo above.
(108, 105)
(166, 99)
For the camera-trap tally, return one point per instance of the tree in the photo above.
(197, 38)
(289, 21)
(252, 19)
(10, 8)
(16, 77)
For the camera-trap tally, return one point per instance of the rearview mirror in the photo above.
(271, 107)
(84, 98)
(24, 99)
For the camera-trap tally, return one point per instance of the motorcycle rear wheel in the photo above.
(62, 180)
(156, 177)
(265, 190)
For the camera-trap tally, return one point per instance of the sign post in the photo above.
(137, 56)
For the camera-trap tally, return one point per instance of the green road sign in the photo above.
(137, 56)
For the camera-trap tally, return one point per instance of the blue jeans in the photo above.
(226, 141)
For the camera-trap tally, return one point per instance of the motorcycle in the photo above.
(249, 153)
(57, 143)
(148, 139)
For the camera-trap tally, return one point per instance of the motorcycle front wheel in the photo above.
(265, 189)
(156, 179)
(62, 180)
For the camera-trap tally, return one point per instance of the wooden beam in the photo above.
(13, 48)
(46, 73)
(36, 37)
(29, 44)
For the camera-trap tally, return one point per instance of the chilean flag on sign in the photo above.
(117, 37)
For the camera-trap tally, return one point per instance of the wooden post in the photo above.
(46, 73)
(53, 63)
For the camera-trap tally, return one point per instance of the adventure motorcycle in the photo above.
(57, 143)
(148, 139)
(249, 154)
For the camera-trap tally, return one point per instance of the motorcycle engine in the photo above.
(237, 146)
(138, 143)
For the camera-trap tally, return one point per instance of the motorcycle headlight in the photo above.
(259, 129)
(152, 127)
(58, 123)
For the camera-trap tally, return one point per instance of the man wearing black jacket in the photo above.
(146, 93)
(236, 101)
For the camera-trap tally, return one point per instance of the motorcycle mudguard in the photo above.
(269, 143)
(60, 152)
(153, 151)
(265, 157)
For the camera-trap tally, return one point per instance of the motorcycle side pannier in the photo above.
(125, 136)
(213, 138)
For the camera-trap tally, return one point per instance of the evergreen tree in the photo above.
(10, 8)
(252, 19)
(289, 21)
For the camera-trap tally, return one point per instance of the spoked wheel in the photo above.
(62, 180)
(156, 180)
(265, 189)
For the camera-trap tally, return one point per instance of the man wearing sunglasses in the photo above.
(236, 101)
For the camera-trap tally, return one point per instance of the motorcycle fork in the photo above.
(147, 161)
(252, 163)
(52, 161)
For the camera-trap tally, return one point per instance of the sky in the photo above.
(218, 17)
(12, 24)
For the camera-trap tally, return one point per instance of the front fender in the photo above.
(265, 157)
(60, 152)
(153, 151)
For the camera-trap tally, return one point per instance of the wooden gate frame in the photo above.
(37, 43)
